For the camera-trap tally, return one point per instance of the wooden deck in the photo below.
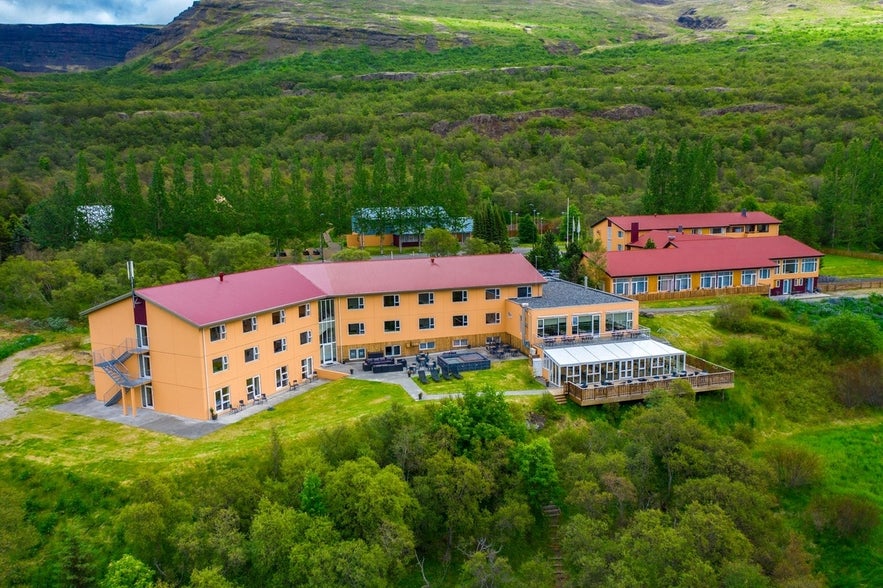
(703, 376)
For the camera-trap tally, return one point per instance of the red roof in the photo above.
(717, 254)
(213, 300)
(647, 222)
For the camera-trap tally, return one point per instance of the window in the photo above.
(619, 234)
(306, 367)
(492, 318)
(737, 229)
(461, 320)
(695, 231)
(391, 300)
(217, 333)
(586, 324)
(278, 317)
(282, 377)
(147, 396)
(552, 326)
(306, 337)
(749, 277)
(358, 353)
(427, 346)
(717, 230)
(303, 310)
(683, 282)
(639, 285)
(253, 387)
(144, 365)
(391, 326)
(426, 298)
(251, 354)
(219, 364)
(621, 286)
(250, 324)
(665, 283)
(459, 295)
(392, 350)
(763, 228)
(809, 265)
(222, 399)
(789, 266)
(356, 328)
(525, 291)
(492, 294)
(617, 321)
(141, 336)
(280, 345)
(706, 280)
(426, 323)
(460, 343)
(724, 279)
(764, 273)
(355, 303)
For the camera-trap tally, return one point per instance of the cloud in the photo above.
(91, 11)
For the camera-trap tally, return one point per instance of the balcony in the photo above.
(703, 376)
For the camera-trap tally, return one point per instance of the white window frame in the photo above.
(492, 318)
(358, 353)
(304, 310)
(281, 375)
(763, 273)
(463, 296)
(217, 333)
(250, 324)
(221, 366)
(707, 280)
(278, 317)
(392, 351)
(426, 298)
(749, 278)
(460, 343)
(621, 286)
(809, 265)
(306, 337)
(280, 345)
(255, 354)
(463, 319)
(524, 292)
(429, 325)
(683, 282)
(426, 346)
(360, 327)
(355, 303)
(491, 293)
(396, 325)
(222, 399)
(252, 387)
(724, 279)
(665, 283)
(390, 300)
(639, 285)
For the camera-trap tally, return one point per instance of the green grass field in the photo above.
(851, 267)
(504, 375)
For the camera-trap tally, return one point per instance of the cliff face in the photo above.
(67, 47)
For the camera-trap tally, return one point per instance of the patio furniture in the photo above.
(434, 374)
(421, 375)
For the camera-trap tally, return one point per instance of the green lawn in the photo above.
(851, 267)
(503, 375)
(121, 452)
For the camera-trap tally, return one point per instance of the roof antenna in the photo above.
(130, 273)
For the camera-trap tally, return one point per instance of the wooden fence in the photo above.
(857, 284)
(682, 294)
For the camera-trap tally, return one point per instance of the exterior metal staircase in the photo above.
(113, 362)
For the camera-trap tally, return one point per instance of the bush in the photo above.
(735, 316)
(796, 467)
(860, 382)
(849, 516)
(847, 336)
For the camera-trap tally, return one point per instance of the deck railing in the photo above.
(609, 337)
(701, 375)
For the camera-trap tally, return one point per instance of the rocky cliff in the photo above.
(67, 47)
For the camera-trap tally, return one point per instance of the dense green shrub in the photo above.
(847, 336)
(795, 467)
(851, 517)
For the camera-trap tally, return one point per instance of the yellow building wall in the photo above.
(616, 238)
(358, 240)
(109, 328)
(408, 313)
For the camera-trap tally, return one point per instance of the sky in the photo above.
(91, 11)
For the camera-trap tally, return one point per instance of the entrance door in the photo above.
(147, 396)
(786, 287)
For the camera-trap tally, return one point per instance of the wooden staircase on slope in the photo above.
(559, 395)
(553, 513)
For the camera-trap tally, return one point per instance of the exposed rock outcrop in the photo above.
(495, 126)
(691, 20)
(67, 47)
(625, 112)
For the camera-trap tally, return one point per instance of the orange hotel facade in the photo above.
(202, 346)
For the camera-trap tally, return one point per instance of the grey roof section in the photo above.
(557, 293)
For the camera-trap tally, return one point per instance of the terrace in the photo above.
(701, 375)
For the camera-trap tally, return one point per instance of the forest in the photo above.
(215, 168)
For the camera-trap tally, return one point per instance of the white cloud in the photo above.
(91, 11)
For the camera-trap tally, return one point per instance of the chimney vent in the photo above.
(634, 232)
(680, 228)
(745, 212)
(221, 276)
(432, 260)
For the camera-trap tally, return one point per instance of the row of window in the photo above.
(707, 280)
(424, 324)
(396, 350)
(424, 298)
(789, 266)
(250, 354)
(583, 324)
(253, 384)
(250, 324)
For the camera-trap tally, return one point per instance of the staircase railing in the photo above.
(112, 361)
